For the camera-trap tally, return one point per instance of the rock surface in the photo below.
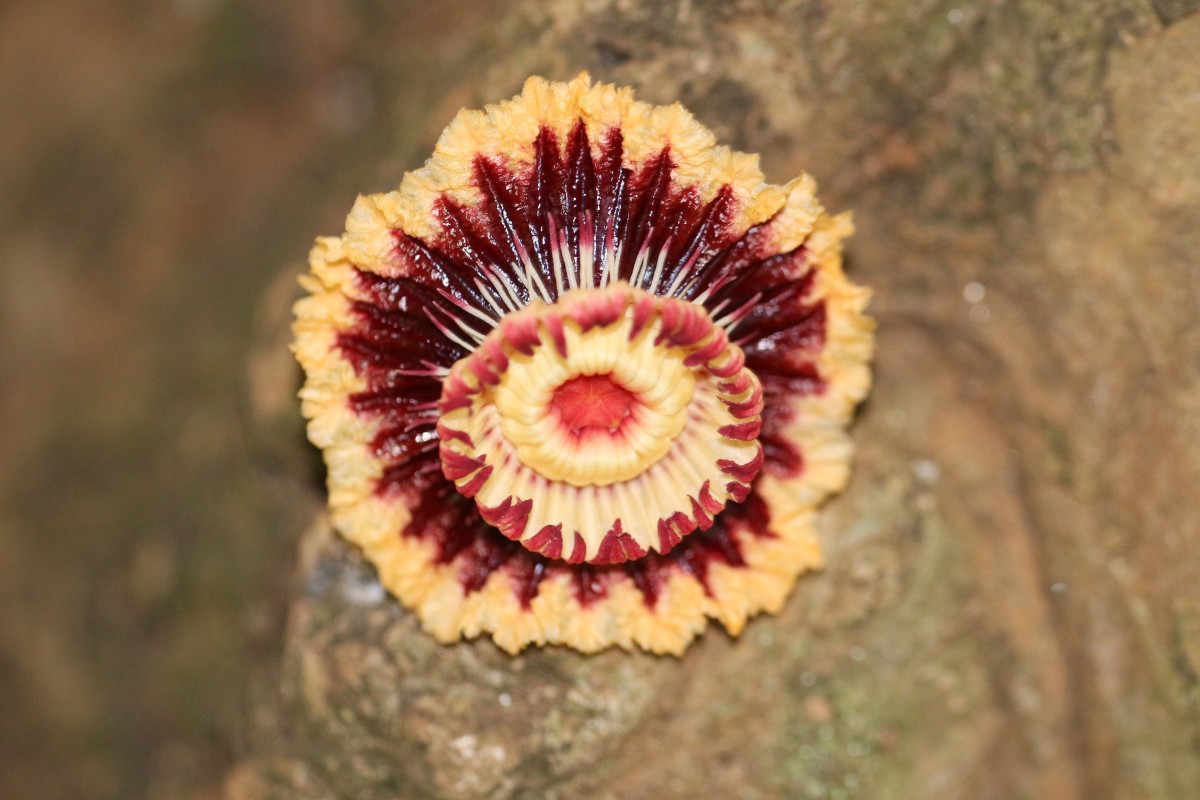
(1012, 603)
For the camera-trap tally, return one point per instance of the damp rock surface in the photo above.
(1010, 607)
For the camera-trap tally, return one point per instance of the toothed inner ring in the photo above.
(602, 413)
(611, 423)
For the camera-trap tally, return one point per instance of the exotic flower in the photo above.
(584, 377)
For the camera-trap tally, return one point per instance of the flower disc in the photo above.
(584, 378)
(611, 423)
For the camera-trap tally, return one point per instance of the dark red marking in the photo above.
(547, 541)
(509, 517)
(737, 385)
(591, 583)
(742, 431)
(472, 487)
(456, 394)
(598, 312)
(578, 550)
(526, 575)
(617, 547)
(743, 472)
(446, 433)
(672, 529)
(481, 561)
(752, 406)
(644, 309)
(780, 455)
(405, 440)
(521, 332)
(554, 326)
(393, 332)
(485, 369)
(732, 366)
(738, 491)
(415, 473)
(701, 517)
(683, 325)
(710, 504)
(649, 582)
(456, 465)
(710, 350)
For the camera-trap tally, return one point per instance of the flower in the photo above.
(585, 377)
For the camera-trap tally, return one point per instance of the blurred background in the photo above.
(164, 166)
(1012, 610)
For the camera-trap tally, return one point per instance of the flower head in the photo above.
(585, 376)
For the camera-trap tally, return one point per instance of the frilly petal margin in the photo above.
(379, 331)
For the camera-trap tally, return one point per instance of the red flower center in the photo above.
(595, 402)
(608, 424)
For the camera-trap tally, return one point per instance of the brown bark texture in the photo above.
(1011, 607)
